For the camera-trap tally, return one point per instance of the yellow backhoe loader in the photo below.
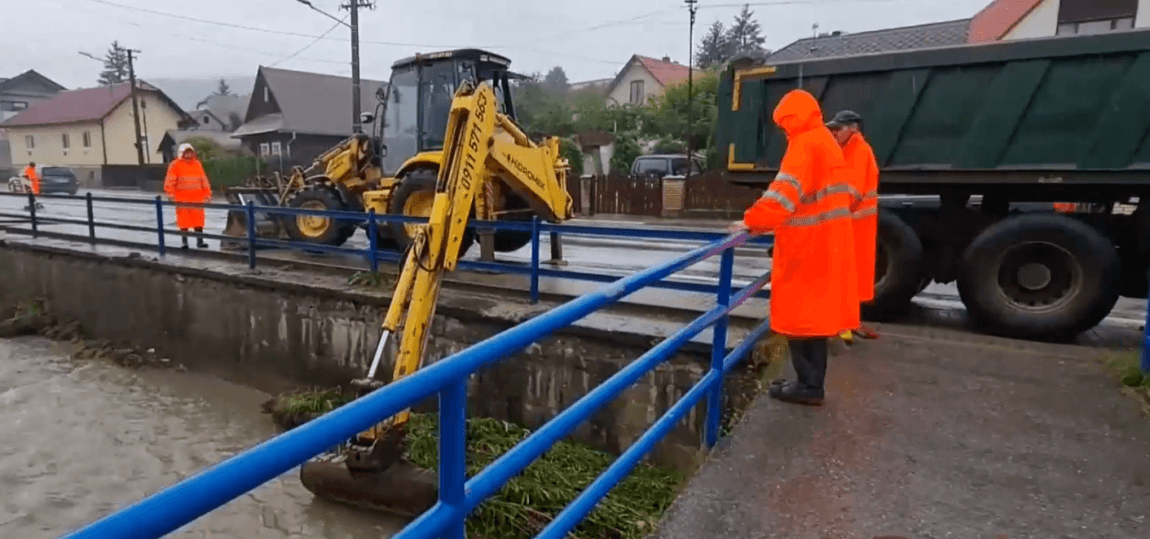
(484, 150)
(394, 169)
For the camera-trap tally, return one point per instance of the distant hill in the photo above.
(187, 92)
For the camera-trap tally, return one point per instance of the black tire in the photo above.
(318, 196)
(899, 277)
(414, 182)
(509, 241)
(1076, 290)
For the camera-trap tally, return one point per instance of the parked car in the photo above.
(53, 180)
(658, 166)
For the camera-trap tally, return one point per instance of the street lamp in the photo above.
(692, 7)
(352, 6)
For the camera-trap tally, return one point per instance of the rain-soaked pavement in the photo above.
(82, 439)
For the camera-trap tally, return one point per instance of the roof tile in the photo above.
(86, 105)
(664, 72)
(893, 39)
(315, 103)
(998, 18)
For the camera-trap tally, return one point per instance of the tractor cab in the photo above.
(414, 107)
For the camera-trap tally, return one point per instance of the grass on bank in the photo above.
(533, 498)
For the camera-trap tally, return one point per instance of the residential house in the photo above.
(643, 79)
(294, 116)
(16, 95)
(597, 85)
(222, 112)
(1020, 19)
(89, 128)
(999, 20)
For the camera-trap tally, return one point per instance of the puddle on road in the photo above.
(78, 440)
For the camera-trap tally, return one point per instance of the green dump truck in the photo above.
(1019, 170)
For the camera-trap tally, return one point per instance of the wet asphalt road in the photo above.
(604, 255)
(82, 439)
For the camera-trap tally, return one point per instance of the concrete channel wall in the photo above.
(276, 329)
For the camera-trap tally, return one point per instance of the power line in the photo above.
(313, 42)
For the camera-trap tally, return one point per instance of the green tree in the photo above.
(745, 36)
(626, 151)
(714, 48)
(574, 156)
(556, 81)
(668, 113)
(115, 65)
(206, 148)
(223, 88)
(541, 111)
(669, 144)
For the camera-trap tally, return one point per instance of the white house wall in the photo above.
(1042, 21)
(1142, 20)
(621, 94)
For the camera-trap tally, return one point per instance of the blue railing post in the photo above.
(719, 348)
(32, 214)
(535, 259)
(372, 241)
(1146, 338)
(160, 224)
(251, 213)
(453, 453)
(91, 218)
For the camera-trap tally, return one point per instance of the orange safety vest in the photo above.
(33, 178)
(187, 182)
(814, 279)
(864, 177)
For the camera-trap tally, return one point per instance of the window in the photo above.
(205, 120)
(637, 92)
(276, 148)
(30, 141)
(65, 141)
(267, 95)
(264, 149)
(654, 166)
(1095, 27)
(87, 139)
(13, 106)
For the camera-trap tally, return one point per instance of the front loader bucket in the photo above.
(402, 489)
(268, 225)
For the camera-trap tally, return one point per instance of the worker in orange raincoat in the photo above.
(187, 183)
(814, 279)
(34, 181)
(863, 167)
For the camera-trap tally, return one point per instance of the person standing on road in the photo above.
(814, 280)
(846, 127)
(186, 182)
(34, 183)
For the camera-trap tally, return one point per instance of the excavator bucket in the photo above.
(268, 225)
(402, 489)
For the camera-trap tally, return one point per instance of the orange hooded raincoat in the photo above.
(864, 177)
(187, 182)
(814, 282)
(33, 178)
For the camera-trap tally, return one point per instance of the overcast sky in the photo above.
(591, 39)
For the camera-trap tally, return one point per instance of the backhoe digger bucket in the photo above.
(268, 225)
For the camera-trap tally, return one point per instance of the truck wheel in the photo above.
(413, 197)
(898, 269)
(509, 241)
(1040, 277)
(314, 229)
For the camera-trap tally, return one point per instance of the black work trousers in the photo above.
(809, 356)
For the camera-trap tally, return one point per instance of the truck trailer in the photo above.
(1018, 169)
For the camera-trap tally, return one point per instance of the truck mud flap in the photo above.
(268, 225)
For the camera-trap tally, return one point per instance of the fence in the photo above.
(187, 500)
(706, 195)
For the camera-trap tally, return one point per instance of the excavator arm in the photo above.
(482, 145)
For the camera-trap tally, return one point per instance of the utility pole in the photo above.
(353, 7)
(135, 105)
(692, 8)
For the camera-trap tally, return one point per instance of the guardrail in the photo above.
(191, 498)
(374, 253)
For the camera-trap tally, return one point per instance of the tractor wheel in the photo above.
(315, 229)
(509, 241)
(413, 197)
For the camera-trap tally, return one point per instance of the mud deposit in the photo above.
(79, 439)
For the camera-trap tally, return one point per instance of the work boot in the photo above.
(200, 243)
(866, 332)
(809, 357)
(796, 393)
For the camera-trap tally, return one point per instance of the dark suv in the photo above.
(658, 166)
(58, 180)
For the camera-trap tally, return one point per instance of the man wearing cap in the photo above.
(863, 171)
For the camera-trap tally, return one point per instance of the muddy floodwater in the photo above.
(78, 440)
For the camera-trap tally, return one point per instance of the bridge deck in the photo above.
(927, 436)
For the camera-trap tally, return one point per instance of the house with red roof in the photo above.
(643, 79)
(91, 127)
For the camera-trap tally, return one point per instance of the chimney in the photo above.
(667, 59)
(837, 33)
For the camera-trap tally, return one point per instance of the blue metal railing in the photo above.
(187, 500)
(374, 254)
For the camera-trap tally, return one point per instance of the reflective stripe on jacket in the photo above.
(814, 280)
(864, 177)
